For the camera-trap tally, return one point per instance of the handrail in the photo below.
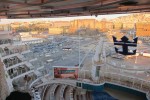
(127, 76)
(129, 69)
(101, 82)
(73, 83)
(125, 82)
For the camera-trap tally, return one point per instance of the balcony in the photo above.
(12, 50)
(18, 71)
(5, 41)
(11, 61)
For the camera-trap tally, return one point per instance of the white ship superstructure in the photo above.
(17, 62)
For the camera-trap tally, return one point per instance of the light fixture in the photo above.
(96, 15)
(129, 3)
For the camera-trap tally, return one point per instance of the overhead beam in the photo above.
(76, 14)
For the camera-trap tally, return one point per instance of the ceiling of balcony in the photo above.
(54, 8)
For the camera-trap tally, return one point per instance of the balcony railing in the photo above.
(5, 41)
(125, 80)
(10, 62)
(13, 51)
(18, 71)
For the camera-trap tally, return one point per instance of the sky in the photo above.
(99, 17)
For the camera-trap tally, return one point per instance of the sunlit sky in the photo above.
(99, 17)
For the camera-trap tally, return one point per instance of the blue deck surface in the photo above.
(102, 96)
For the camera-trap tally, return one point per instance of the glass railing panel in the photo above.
(11, 61)
(13, 50)
(18, 71)
(6, 41)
